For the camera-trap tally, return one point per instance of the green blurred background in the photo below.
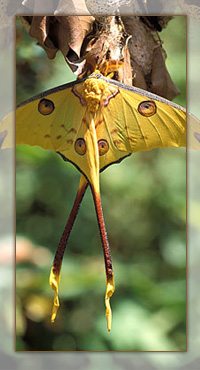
(144, 202)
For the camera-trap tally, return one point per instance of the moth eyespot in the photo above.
(147, 108)
(103, 147)
(46, 106)
(80, 146)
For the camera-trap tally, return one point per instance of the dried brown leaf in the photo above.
(138, 76)
(59, 32)
(71, 32)
(147, 57)
(161, 82)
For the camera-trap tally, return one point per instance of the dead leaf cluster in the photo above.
(131, 43)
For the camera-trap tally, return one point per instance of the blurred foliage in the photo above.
(144, 202)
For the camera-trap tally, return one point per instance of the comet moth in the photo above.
(93, 123)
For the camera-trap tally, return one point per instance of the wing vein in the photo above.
(137, 121)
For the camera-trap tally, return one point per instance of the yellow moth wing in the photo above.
(193, 132)
(7, 131)
(133, 131)
(51, 130)
(59, 119)
(106, 134)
